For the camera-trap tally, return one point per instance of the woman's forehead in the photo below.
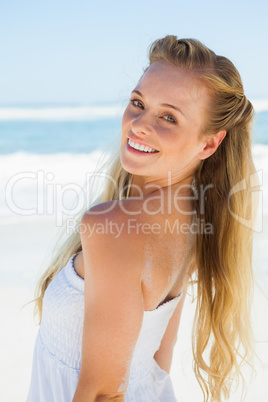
(172, 84)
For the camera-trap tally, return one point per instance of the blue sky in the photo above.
(85, 52)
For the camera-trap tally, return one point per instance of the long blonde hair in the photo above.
(222, 334)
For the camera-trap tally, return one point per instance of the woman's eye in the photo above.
(170, 119)
(137, 103)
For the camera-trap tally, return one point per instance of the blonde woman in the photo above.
(110, 303)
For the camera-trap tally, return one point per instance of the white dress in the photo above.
(57, 354)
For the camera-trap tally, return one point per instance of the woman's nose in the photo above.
(142, 124)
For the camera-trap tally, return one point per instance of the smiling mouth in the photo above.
(142, 148)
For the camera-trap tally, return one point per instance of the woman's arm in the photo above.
(164, 354)
(113, 312)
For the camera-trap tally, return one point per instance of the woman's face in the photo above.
(166, 114)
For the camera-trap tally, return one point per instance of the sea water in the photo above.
(47, 153)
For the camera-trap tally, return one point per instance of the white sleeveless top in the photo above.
(57, 354)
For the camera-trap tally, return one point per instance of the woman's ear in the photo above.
(212, 144)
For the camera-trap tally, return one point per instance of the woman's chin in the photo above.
(132, 167)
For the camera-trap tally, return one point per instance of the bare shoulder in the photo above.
(147, 215)
(109, 244)
(121, 220)
(132, 226)
(139, 242)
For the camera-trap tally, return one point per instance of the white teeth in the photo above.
(139, 147)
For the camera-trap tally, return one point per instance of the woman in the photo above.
(111, 301)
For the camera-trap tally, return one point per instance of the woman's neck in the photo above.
(142, 186)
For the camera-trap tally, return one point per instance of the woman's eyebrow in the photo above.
(173, 107)
(137, 92)
(162, 104)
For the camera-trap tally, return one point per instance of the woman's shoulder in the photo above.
(119, 217)
(136, 222)
(109, 240)
(145, 209)
(112, 228)
(144, 244)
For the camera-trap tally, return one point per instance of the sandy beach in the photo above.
(25, 249)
